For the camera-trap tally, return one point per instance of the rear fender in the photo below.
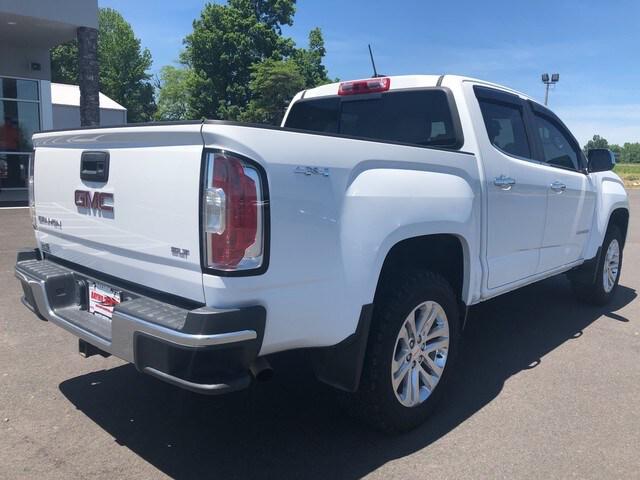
(383, 207)
(386, 206)
(611, 196)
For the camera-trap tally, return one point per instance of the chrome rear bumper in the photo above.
(206, 349)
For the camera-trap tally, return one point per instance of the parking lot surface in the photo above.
(546, 388)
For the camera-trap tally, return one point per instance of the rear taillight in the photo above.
(371, 85)
(30, 185)
(233, 213)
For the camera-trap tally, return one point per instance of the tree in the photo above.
(273, 84)
(272, 13)
(309, 61)
(227, 40)
(630, 153)
(123, 66)
(226, 49)
(596, 142)
(616, 149)
(64, 63)
(173, 94)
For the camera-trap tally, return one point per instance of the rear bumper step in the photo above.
(206, 350)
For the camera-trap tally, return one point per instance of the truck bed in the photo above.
(322, 189)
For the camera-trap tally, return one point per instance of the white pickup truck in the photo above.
(362, 230)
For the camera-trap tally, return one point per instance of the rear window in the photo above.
(419, 117)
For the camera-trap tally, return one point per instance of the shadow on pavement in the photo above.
(293, 426)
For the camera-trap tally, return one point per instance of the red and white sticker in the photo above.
(102, 299)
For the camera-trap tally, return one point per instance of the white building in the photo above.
(65, 100)
(28, 30)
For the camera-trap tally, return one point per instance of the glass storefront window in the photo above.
(19, 119)
(13, 170)
(19, 89)
(18, 122)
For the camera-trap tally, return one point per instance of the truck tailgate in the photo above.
(145, 227)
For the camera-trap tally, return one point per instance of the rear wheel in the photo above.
(412, 346)
(603, 285)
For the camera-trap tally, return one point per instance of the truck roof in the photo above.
(410, 81)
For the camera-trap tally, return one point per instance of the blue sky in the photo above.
(594, 45)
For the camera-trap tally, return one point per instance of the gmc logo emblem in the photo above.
(101, 201)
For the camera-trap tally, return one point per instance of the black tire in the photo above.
(376, 402)
(593, 291)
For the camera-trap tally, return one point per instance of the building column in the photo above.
(89, 76)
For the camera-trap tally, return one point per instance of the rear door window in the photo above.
(419, 117)
(505, 127)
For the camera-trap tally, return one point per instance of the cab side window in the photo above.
(558, 148)
(505, 126)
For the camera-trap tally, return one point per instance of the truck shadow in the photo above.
(294, 427)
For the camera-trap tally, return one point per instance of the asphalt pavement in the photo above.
(546, 388)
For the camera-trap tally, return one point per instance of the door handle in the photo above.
(504, 182)
(558, 187)
(94, 166)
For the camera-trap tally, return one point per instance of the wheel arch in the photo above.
(443, 253)
(620, 218)
(447, 254)
(612, 205)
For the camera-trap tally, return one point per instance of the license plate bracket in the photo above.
(103, 299)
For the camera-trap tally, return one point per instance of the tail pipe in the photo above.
(261, 369)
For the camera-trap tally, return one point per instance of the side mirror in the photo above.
(601, 160)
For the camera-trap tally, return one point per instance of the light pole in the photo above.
(555, 78)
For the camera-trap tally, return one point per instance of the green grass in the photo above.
(627, 168)
(629, 172)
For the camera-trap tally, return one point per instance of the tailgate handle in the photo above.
(94, 166)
